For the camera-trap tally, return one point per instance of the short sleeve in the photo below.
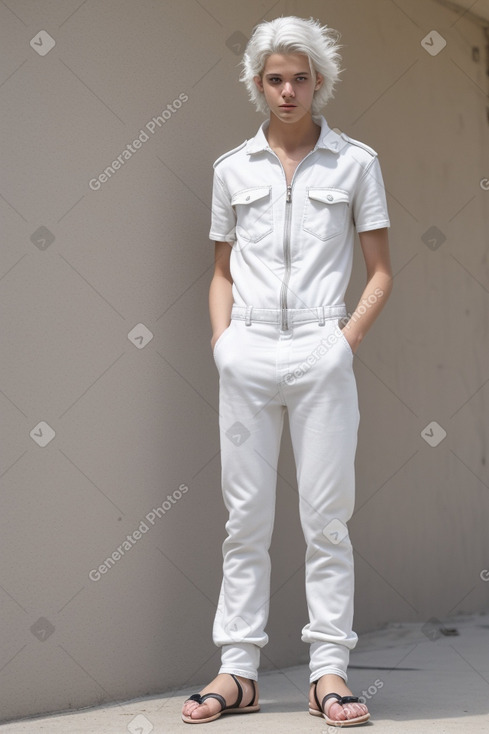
(369, 202)
(223, 218)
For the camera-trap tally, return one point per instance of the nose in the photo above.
(287, 90)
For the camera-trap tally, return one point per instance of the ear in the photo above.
(319, 81)
(258, 82)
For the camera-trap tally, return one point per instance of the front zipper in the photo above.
(284, 321)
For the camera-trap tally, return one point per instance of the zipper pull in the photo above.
(289, 194)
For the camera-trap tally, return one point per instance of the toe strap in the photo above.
(201, 699)
(349, 699)
(340, 699)
(194, 697)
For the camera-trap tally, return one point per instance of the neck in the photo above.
(290, 136)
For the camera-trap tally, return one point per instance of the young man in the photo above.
(285, 208)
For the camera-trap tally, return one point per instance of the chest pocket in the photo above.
(325, 212)
(254, 213)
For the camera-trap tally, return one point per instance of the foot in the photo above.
(334, 710)
(225, 685)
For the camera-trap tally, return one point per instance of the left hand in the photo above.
(350, 338)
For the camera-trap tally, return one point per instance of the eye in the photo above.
(274, 79)
(301, 78)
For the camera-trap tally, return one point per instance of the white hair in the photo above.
(287, 36)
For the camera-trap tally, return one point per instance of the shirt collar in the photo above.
(328, 139)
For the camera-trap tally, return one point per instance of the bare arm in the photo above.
(375, 247)
(220, 293)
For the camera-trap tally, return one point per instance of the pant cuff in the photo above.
(328, 670)
(242, 658)
(251, 674)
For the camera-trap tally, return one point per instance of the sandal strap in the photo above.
(341, 699)
(240, 692)
(252, 702)
(350, 699)
(235, 705)
(194, 697)
(316, 695)
(201, 699)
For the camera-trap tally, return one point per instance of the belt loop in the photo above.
(320, 311)
(249, 310)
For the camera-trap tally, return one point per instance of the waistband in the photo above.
(294, 315)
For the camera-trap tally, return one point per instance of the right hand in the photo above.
(214, 339)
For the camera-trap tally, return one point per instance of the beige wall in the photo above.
(134, 420)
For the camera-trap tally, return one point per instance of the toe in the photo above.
(188, 707)
(201, 711)
(337, 712)
(353, 710)
(195, 710)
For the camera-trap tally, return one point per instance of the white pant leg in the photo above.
(251, 420)
(321, 397)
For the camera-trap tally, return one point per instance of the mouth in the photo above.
(287, 106)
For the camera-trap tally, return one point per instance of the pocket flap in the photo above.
(248, 196)
(329, 196)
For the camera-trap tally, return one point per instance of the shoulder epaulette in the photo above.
(359, 143)
(229, 152)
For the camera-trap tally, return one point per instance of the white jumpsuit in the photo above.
(291, 260)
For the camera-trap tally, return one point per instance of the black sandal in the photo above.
(234, 709)
(341, 699)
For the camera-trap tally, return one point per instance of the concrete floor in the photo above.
(415, 679)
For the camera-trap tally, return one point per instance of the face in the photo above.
(288, 85)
